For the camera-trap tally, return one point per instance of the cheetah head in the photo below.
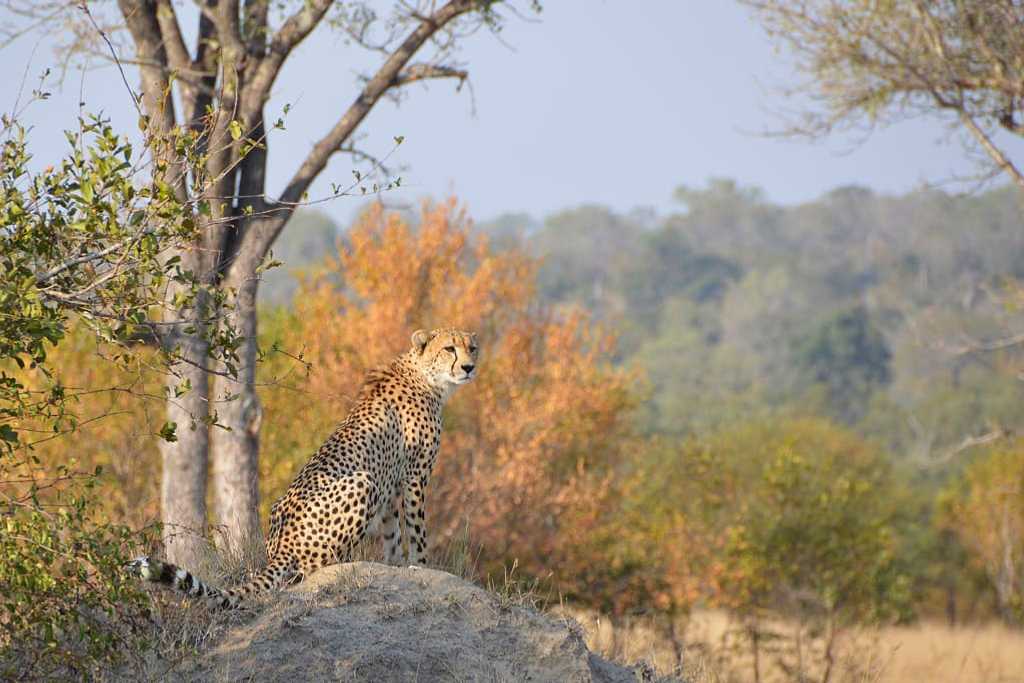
(447, 356)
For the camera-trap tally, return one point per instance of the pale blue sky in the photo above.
(601, 101)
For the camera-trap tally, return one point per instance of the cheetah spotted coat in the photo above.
(373, 468)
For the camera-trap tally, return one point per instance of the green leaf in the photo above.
(169, 432)
(235, 128)
(8, 434)
(87, 193)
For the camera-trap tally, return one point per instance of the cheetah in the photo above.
(373, 468)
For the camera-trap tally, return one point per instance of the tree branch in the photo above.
(254, 30)
(970, 442)
(174, 42)
(229, 29)
(990, 148)
(298, 26)
(141, 19)
(205, 63)
(258, 240)
(420, 72)
(361, 155)
(292, 32)
(384, 79)
(988, 347)
(42, 278)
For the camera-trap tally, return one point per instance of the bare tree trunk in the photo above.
(754, 631)
(183, 481)
(830, 644)
(236, 441)
(184, 460)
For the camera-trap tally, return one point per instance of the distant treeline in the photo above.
(869, 309)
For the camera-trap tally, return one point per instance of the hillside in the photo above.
(370, 622)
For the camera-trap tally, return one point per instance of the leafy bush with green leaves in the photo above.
(814, 528)
(82, 241)
(67, 608)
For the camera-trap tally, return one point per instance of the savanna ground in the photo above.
(926, 651)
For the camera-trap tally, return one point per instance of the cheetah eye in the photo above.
(472, 349)
(450, 349)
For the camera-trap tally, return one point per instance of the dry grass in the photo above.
(706, 648)
(935, 652)
(181, 627)
(647, 639)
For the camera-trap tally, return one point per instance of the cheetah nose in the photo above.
(468, 368)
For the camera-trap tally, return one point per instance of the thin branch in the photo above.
(991, 149)
(972, 346)
(361, 155)
(971, 442)
(42, 278)
(38, 21)
(135, 98)
(420, 72)
(292, 32)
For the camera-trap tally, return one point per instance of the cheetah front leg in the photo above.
(415, 522)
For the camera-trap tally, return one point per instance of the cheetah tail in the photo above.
(156, 571)
(273, 576)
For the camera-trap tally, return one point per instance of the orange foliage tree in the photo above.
(528, 448)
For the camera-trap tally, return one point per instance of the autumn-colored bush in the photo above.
(985, 510)
(657, 549)
(528, 448)
(110, 418)
(77, 474)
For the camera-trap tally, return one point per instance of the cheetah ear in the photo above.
(420, 339)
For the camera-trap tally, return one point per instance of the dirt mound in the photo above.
(370, 622)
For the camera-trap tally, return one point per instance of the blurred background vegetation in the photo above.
(744, 405)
